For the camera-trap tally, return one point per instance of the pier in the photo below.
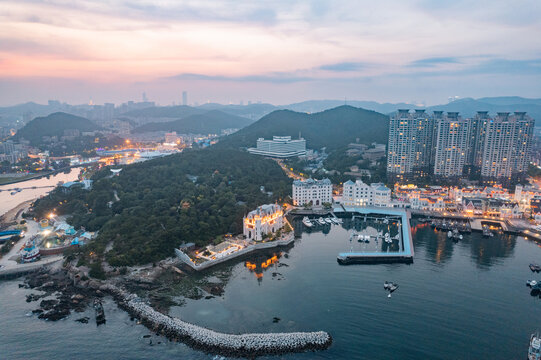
(403, 256)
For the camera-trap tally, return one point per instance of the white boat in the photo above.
(307, 222)
(321, 221)
(328, 220)
(335, 220)
(534, 351)
(388, 238)
(339, 220)
(450, 234)
(385, 221)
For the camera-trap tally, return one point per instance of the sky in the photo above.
(280, 52)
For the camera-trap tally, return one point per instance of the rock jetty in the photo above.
(215, 342)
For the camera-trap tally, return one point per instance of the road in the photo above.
(288, 171)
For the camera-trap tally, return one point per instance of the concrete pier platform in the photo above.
(404, 256)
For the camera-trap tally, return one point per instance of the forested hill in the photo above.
(54, 125)
(332, 128)
(211, 122)
(189, 197)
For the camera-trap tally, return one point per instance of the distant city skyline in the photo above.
(280, 52)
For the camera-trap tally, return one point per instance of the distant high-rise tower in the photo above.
(184, 98)
(145, 97)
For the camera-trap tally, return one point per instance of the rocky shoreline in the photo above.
(75, 294)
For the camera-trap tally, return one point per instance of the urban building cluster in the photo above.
(12, 152)
(280, 147)
(494, 149)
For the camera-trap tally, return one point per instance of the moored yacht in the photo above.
(306, 221)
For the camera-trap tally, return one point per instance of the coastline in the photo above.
(11, 215)
(39, 176)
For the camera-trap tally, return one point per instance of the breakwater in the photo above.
(211, 341)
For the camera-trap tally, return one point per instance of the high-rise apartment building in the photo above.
(451, 146)
(446, 146)
(507, 146)
(402, 146)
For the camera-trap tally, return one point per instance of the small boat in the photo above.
(390, 287)
(321, 221)
(450, 234)
(388, 238)
(328, 221)
(535, 267)
(13, 193)
(335, 221)
(307, 222)
(100, 314)
(534, 351)
(531, 283)
(339, 220)
(385, 221)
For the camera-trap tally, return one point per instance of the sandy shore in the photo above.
(11, 215)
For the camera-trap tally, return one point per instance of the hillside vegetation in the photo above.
(194, 196)
(211, 122)
(54, 125)
(332, 128)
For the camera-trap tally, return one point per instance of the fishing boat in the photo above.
(534, 351)
(307, 222)
(535, 267)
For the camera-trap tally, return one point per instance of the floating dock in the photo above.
(404, 256)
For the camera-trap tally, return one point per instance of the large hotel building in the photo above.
(496, 149)
(280, 147)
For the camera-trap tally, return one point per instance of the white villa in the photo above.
(360, 194)
(312, 191)
(263, 220)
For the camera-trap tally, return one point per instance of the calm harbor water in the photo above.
(8, 201)
(465, 300)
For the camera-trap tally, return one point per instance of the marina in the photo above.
(405, 251)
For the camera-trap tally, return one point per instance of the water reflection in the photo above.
(259, 264)
(485, 251)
